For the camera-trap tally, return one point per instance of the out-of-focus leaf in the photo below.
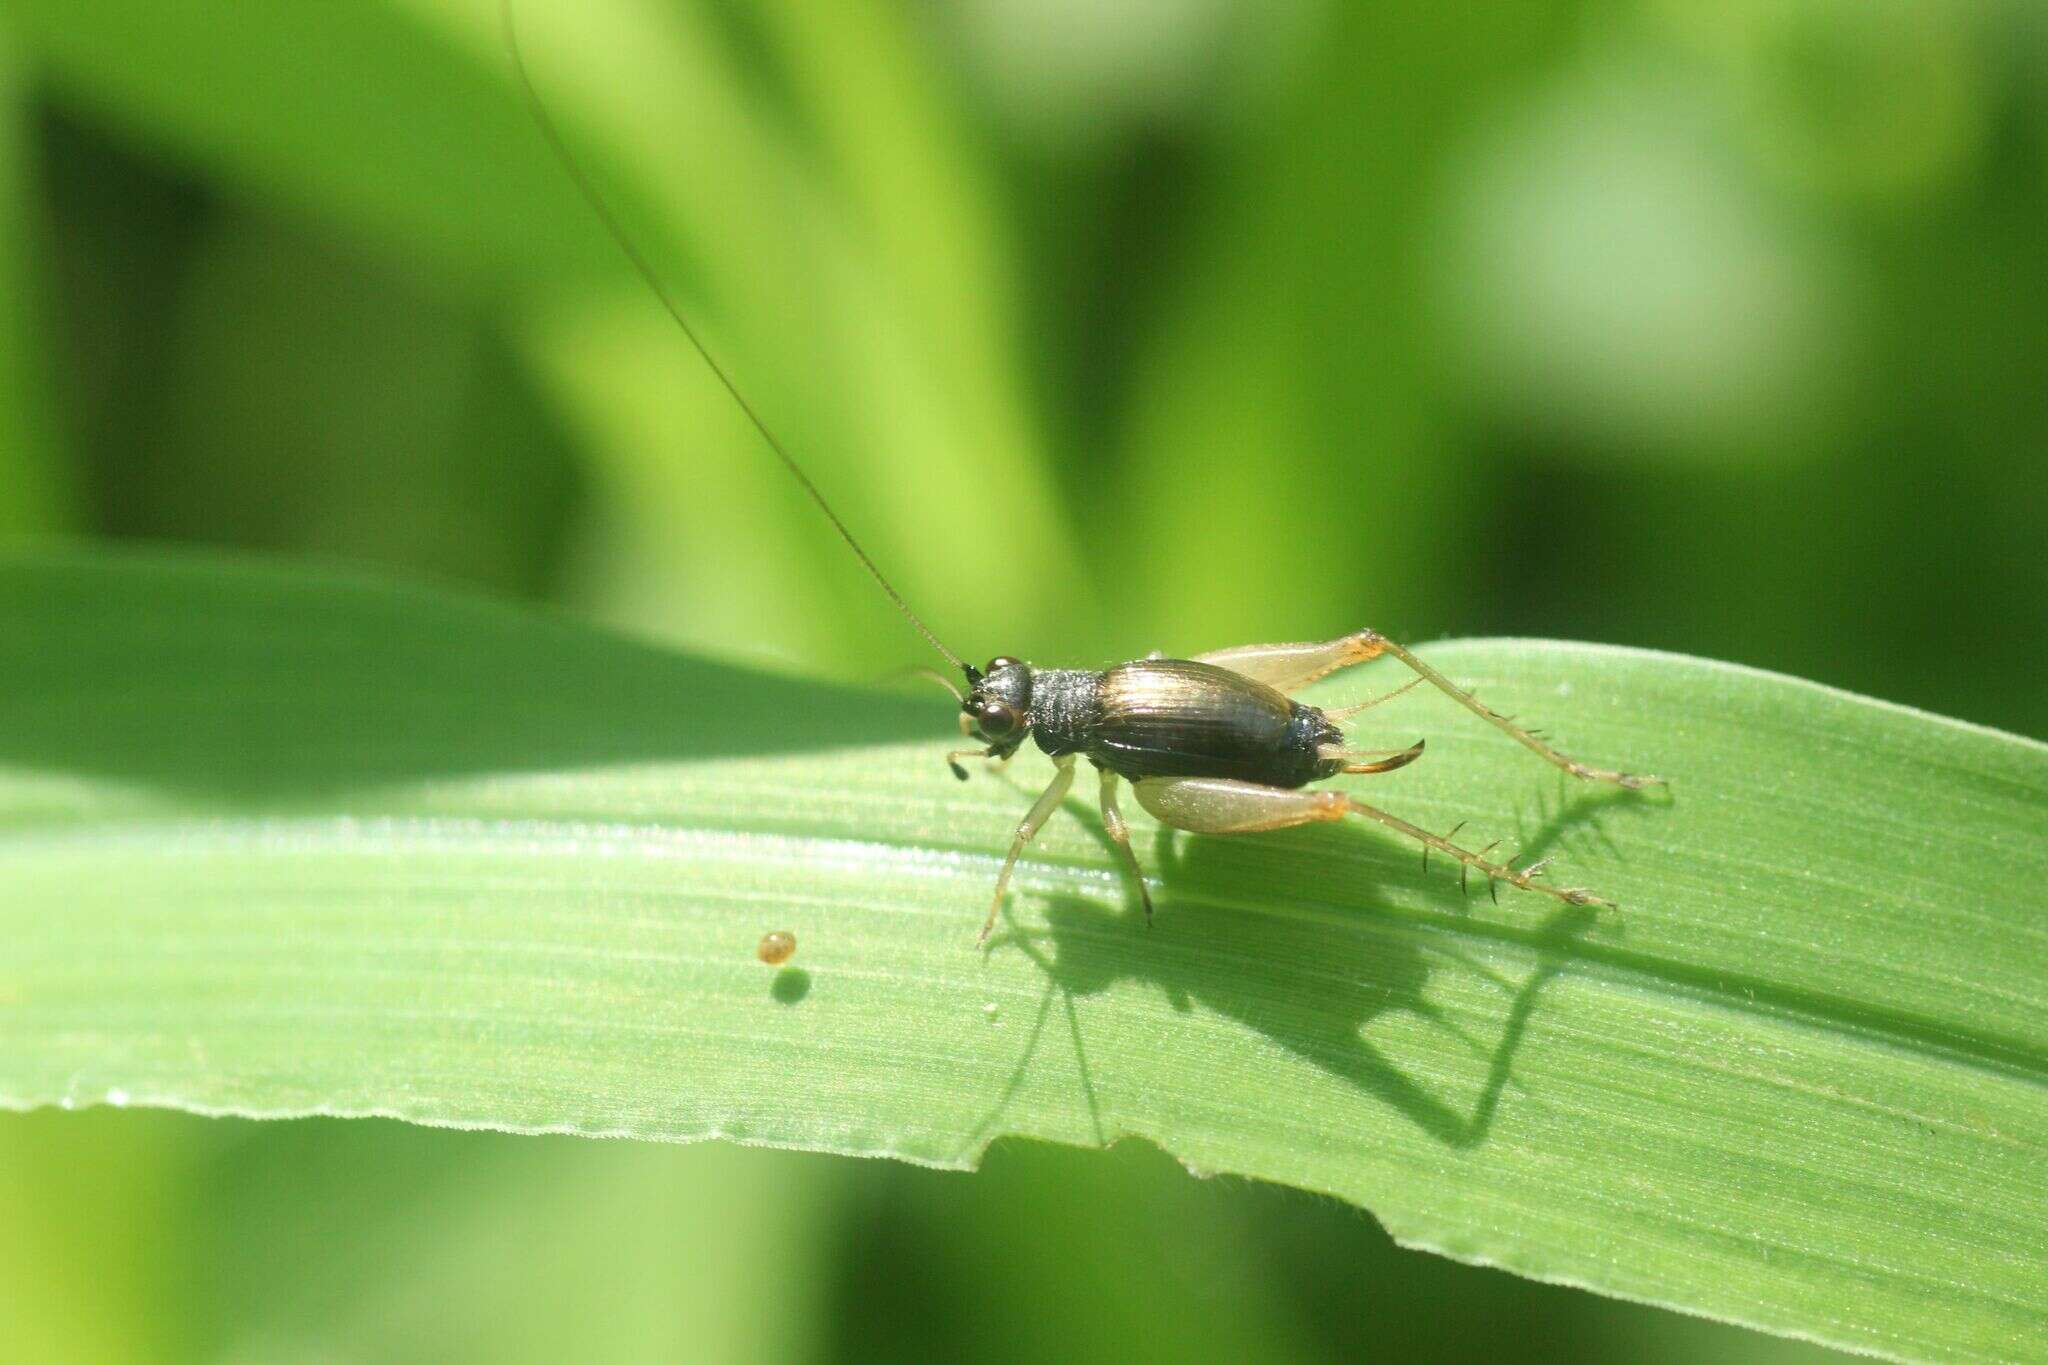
(283, 844)
(384, 113)
(323, 400)
(1291, 384)
(869, 324)
(33, 496)
(86, 1248)
(871, 327)
(153, 1235)
(552, 1250)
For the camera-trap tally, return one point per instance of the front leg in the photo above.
(1212, 805)
(1027, 829)
(1001, 760)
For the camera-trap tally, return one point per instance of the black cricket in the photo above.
(1212, 745)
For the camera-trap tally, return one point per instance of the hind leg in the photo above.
(1211, 805)
(1292, 666)
(1288, 667)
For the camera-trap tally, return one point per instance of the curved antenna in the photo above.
(934, 675)
(640, 263)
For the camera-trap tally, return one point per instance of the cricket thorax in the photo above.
(1064, 703)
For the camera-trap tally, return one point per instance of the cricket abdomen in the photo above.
(1180, 718)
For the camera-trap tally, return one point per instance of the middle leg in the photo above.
(1113, 821)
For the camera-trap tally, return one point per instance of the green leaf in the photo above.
(386, 116)
(875, 331)
(282, 844)
(34, 491)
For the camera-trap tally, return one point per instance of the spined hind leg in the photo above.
(1211, 805)
(1292, 666)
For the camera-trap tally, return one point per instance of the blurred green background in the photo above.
(1162, 324)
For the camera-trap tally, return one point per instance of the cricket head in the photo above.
(997, 707)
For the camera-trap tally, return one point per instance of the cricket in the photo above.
(1215, 744)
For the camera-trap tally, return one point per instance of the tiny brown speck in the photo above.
(777, 947)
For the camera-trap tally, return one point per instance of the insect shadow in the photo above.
(1312, 983)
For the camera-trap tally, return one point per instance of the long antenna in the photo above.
(640, 263)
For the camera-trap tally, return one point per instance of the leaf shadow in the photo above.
(1315, 981)
(258, 684)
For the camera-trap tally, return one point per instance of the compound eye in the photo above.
(997, 721)
(1001, 662)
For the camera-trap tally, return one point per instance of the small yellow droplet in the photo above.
(777, 947)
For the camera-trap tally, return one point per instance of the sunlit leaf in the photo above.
(286, 844)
